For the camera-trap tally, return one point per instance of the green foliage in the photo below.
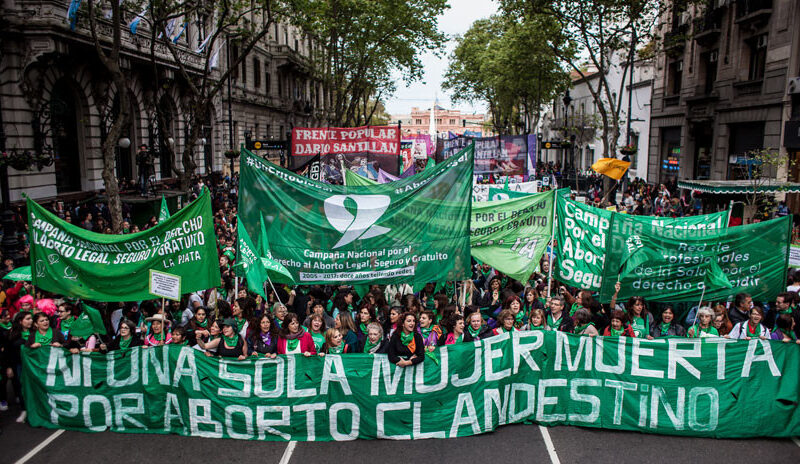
(509, 65)
(365, 44)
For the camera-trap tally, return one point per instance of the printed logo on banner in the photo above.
(369, 208)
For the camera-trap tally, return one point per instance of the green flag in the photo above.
(682, 262)
(163, 215)
(275, 270)
(511, 235)
(351, 179)
(248, 263)
(410, 230)
(89, 322)
(71, 261)
(21, 273)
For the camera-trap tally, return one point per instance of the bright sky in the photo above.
(455, 21)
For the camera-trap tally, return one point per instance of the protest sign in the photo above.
(582, 231)
(794, 255)
(753, 257)
(380, 140)
(481, 192)
(165, 285)
(689, 387)
(511, 235)
(71, 261)
(414, 229)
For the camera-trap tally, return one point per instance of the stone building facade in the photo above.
(720, 88)
(418, 121)
(55, 94)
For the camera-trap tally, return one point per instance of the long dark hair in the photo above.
(16, 325)
(287, 321)
(255, 329)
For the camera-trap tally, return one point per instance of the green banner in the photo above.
(753, 257)
(71, 261)
(351, 179)
(505, 193)
(711, 387)
(511, 235)
(414, 229)
(582, 231)
(257, 266)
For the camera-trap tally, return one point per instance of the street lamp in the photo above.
(124, 143)
(567, 101)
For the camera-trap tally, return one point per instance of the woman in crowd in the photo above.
(198, 324)
(317, 328)
(513, 304)
(345, 323)
(536, 320)
(44, 335)
(293, 339)
(342, 303)
(640, 318)
(230, 345)
(127, 337)
(619, 325)
(279, 313)
(703, 327)
(65, 318)
(242, 311)
(365, 316)
(475, 328)
(334, 343)
(751, 328)
(721, 321)
(179, 336)
(431, 333)
(374, 343)
(531, 301)
(505, 322)
(263, 340)
(406, 346)
(492, 298)
(440, 300)
(391, 323)
(584, 324)
(159, 332)
(455, 330)
(667, 327)
(784, 329)
(21, 329)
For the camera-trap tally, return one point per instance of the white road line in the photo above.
(39, 447)
(796, 441)
(287, 453)
(548, 443)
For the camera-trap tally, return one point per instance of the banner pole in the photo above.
(274, 291)
(552, 249)
(702, 294)
(235, 287)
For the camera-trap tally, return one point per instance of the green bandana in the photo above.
(554, 324)
(239, 324)
(429, 303)
(614, 332)
(5, 325)
(664, 327)
(25, 334)
(755, 333)
(426, 332)
(183, 343)
(44, 339)
(125, 343)
(203, 324)
(406, 338)
(369, 346)
(319, 340)
(473, 332)
(536, 327)
(336, 349)
(519, 317)
(573, 308)
(231, 341)
(363, 328)
(66, 324)
(789, 333)
(639, 327)
(291, 345)
(579, 329)
(709, 330)
(159, 337)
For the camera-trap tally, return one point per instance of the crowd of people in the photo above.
(401, 321)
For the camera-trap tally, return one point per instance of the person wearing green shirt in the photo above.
(703, 327)
(65, 318)
(640, 318)
(316, 327)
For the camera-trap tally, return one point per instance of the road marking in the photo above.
(39, 447)
(796, 441)
(287, 453)
(548, 443)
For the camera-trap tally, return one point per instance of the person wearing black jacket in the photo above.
(374, 342)
(556, 318)
(476, 329)
(42, 334)
(406, 346)
(127, 337)
(741, 310)
(264, 338)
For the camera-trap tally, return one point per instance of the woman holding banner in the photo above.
(374, 343)
(265, 339)
(406, 346)
(667, 327)
(127, 337)
(345, 323)
(703, 327)
(316, 327)
(333, 343)
(230, 345)
(584, 324)
(44, 335)
(455, 330)
(475, 329)
(536, 320)
(619, 325)
(751, 328)
(21, 328)
(292, 339)
(158, 333)
(365, 316)
(431, 333)
(641, 320)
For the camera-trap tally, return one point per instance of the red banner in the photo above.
(376, 140)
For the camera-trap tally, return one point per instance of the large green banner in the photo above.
(72, 261)
(713, 387)
(511, 235)
(753, 257)
(414, 229)
(582, 231)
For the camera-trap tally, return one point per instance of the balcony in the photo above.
(753, 12)
(708, 27)
(675, 40)
(289, 59)
(746, 88)
(672, 100)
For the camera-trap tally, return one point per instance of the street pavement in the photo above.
(508, 445)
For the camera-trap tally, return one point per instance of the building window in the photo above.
(244, 70)
(675, 77)
(418, 122)
(280, 134)
(452, 122)
(269, 132)
(256, 73)
(234, 57)
(758, 57)
(439, 122)
(280, 85)
(744, 138)
(267, 80)
(709, 64)
(670, 153)
(296, 45)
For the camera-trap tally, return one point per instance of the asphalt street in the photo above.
(511, 444)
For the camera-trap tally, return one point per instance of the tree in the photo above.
(365, 44)
(759, 168)
(506, 64)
